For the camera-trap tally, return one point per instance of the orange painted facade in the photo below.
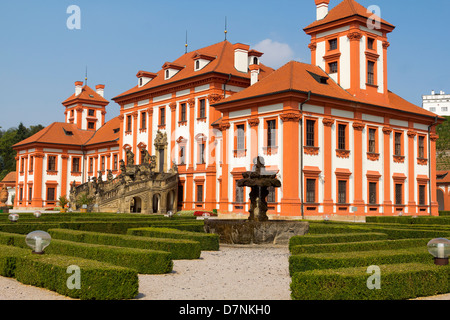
(341, 142)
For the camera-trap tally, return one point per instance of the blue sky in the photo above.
(40, 58)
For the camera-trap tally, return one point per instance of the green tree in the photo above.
(8, 138)
(443, 145)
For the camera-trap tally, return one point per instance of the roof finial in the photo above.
(226, 28)
(186, 44)
(86, 76)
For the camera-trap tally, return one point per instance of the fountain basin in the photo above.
(255, 232)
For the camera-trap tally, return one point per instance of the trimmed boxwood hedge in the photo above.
(143, 261)
(403, 233)
(335, 228)
(398, 282)
(335, 238)
(179, 248)
(8, 258)
(305, 262)
(208, 242)
(359, 246)
(121, 227)
(441, 220)
(99, 280)
(27, 227)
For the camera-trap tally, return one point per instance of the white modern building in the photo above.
(438, 103)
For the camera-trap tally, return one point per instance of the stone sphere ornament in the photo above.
(37, 214)
(13, 217)
(38, 241)
(439, 248)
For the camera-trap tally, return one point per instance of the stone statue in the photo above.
(123, 168)
(110, 175)
(100, 176)
(130, 158)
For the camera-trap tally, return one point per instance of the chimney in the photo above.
(322, 8)
(78, 87)
(241, 57)
(100, 88)
(254, 73)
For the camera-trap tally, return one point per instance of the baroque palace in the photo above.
(341, 142)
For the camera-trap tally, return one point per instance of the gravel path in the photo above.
(233, 273)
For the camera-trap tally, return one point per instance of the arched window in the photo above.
(167, 74)
(197, 65)
(140, 82)
(255, 60)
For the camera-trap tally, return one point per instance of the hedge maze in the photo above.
(336, 261)
(109, 250)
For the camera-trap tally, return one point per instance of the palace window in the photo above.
(422, 195)
(91, 125)
(202, 109)
(421, 147)
(398, 144)
(162, 116)
(370, 43)
(183, 112)
(399, 194)
(31, 164)
(271, 133)
(91, 164)
(240, 145)
(311, 190)
(342, 128)
(51, 164)
(333, 67)
(200, 193)
(143, 120)
(75, 164)
(201, 153)
(103, 163)
(310, 133)
(373, 192)
(91, 112)
(51, 194)
(239, 194)
(342, 191)
(115, 162)
(372, 140)
(129, 123)
(333, 44)
(30, 193)
(370, 72)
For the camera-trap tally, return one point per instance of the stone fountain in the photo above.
(257, 229)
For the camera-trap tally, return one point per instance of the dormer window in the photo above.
(202, 60)
(253, 57)
(171, 69)
(145, 77)
(255, 60)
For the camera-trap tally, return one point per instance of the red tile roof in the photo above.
(443, 177)
(223, 63)
(345, 9)
(59, 133)
(10, 178)
(298, 76)
(87, 93)
(109, 132)
(293, 76)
